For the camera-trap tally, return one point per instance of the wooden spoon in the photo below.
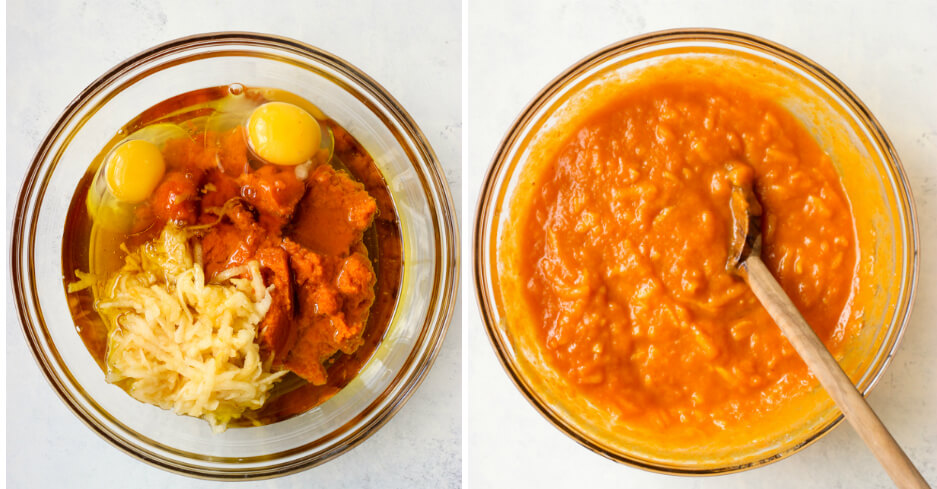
(745, 259)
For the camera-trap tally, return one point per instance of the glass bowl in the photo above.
(871, 174)
(428, 230)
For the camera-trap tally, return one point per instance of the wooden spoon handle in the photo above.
(831, 376)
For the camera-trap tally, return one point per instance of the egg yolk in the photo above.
(283, 133)
(133, 170)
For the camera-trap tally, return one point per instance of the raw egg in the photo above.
(133, 170)
(283, 134)
(129, 174)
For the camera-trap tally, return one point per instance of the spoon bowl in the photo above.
(745, 259)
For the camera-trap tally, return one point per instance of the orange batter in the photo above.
(626, 240)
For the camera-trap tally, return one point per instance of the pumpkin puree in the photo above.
(323, 284)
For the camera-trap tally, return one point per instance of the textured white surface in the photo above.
(885, 51)
(56, 48)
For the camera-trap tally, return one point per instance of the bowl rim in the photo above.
(439, 311)
(725, 37)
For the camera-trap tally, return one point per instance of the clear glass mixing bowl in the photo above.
(871, 174)
(430, 255)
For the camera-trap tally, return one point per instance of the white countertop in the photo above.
(885, 51)
(56, 48)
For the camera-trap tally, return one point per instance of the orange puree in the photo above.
(626, 243)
